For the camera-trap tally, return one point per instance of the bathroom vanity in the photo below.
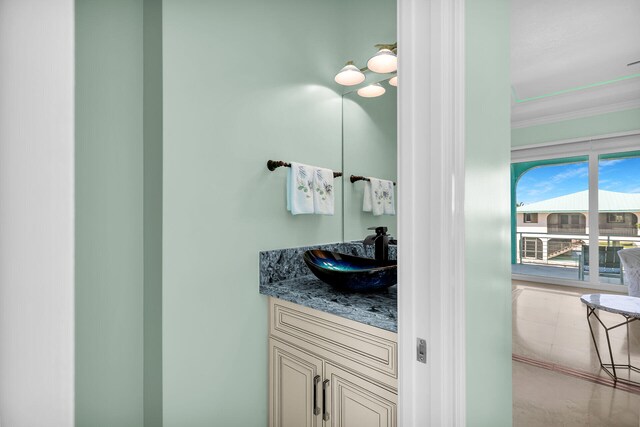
(325, 370)
(333, 356)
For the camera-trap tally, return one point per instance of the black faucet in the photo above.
(381, 241)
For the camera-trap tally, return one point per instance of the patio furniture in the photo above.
(609, 264)
(631, 262)
(627, 307)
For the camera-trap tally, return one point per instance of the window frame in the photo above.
(592, 148)
(617, 214)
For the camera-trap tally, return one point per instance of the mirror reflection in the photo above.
(369, 151)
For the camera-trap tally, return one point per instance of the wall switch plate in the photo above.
(421, 350)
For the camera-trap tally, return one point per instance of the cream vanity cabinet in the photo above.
(325, 370)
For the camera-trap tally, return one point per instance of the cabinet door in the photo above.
(356, 402)
(295, 387)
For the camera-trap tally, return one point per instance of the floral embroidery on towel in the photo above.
(305, 184)
(386, 195)
(323, 188)
(382, 195)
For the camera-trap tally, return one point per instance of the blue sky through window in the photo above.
(547, 182)
(621, 175)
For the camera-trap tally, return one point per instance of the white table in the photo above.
(627, 307)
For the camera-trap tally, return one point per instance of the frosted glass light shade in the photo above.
(349, 75)
(393, 81)
(371, 91)
(383, 62)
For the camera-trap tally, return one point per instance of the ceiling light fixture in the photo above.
(385, 61)
(349, 75)
(371, 91)
(393, 81)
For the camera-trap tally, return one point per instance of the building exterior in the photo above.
(553, 227)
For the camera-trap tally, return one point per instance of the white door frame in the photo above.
(431, 294)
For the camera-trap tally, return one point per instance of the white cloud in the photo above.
(531, 190)
(540, 189)
(553, 182)
(607, 163)
(579, 172)
(611, 185)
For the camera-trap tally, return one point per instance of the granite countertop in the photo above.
(284, 275)
(377, 309)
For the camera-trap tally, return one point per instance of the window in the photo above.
(544, 191)
(570, 219)
(562, 181)
(615, 218)
(531, 248)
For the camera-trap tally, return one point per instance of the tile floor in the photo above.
(549, 325)
(548, 399)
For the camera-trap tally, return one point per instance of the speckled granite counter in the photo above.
(284, 275)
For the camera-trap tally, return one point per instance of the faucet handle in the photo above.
(379, 230)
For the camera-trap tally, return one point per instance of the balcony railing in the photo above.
(605, 230)
(554, 255)
(566, 229)
(629, 231)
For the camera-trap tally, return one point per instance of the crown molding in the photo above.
(618, 96)
(576, 114)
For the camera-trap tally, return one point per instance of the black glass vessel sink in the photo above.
(351, 273)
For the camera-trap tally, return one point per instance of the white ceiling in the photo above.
(564, 45)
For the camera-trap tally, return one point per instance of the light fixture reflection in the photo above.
(393, 81)
(350, 75)
(385, 61)
(371, 91)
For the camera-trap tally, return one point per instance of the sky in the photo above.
(547, 182)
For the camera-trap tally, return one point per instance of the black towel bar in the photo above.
(354, 178)
(274, 164)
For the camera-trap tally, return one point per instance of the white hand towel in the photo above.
(379, 197)
(366, 200)
(323, 194)
(377, 201)
(389, 198)
(300, 189)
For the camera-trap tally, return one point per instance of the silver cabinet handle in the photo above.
(316, 408)
(325, 415)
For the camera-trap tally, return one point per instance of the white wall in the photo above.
(532, 227)
(36, 213)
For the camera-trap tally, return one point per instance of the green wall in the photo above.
(152, 26)
(487, 214)
(231, 98)
(619, 121)
(118, 213)
(244, 82)
(109, 213)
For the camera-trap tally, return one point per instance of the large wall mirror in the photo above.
(369, 149)
(369, 128)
